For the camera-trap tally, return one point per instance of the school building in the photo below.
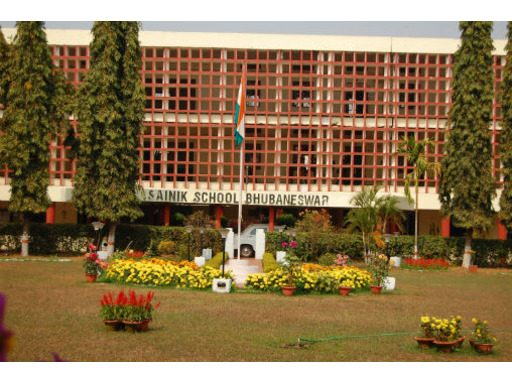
(324, 115)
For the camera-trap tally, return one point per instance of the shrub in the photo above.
(286, 219)
(167, 247)
(269, 262)
(163, 273)
(327, 259)
(216, 261)
(423, 263)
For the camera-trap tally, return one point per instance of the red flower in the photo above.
(94, 256)
(92, 247)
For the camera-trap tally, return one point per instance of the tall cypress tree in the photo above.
(32, 114)
(4, 60)
(506, 137)
(467, 185)
(110, 120)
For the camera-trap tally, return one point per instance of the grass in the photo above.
(50, 307)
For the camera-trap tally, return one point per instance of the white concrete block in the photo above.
(221, 285)
(397, 260)
(280, 255)
(200, 261)
(102, 255)
(389, 283)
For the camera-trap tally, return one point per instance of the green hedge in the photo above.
(51, 239)
(269, 262)
(216, 261)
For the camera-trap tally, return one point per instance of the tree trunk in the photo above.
(468, 255)
(24, 236)
(416, 223)
(111, 238)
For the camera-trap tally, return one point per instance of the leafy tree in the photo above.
(467, 186)
(506, 137)
(4, 60)
(110, 121)
(415, 154)
(32, 94)
(370, 215)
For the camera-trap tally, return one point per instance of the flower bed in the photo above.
(163, 273)
(421, 263)
(311, 278)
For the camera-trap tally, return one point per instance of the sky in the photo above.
(434, 29)
(320, 17)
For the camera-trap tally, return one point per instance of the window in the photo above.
(252, 94)
(301, 96)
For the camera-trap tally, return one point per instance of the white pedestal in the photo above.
(102, 255)
(397, 260)
(280, 255)
(200, 261)
(221, 285)
(389, 283)
(260, 244)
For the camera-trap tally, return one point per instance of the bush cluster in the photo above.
(269, 262)
(310, 279)
(163, 273)
(49, 239)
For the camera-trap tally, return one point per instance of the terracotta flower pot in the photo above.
(90, 278)
(445, 346)
(376, 288)
(424, 342)
(132, 326)
(484, 349)
(288, 290)
(113, 325)
(344, 291)
(460, 340)
(144, 326)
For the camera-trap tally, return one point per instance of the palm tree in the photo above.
(414, 152)
(371, 211)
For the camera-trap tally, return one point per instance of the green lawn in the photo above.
(50, 307)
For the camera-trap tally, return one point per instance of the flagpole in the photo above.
(241, 186)
(240, 197)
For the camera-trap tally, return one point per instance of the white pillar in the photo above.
(260, 244)
(230, 244)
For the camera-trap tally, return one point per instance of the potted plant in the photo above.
(447, 334)
(91, 264)
(291, 262)
(148, 311)
(379, 269)
(346, 286)
(481, 340)
(426, 340)
(112, 311)
(133, 312)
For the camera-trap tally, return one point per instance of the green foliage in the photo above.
(370, 214)
(506, 137)
(327, 259)
(178, 219)
(216, 261)
(223, 221)
(167, 247)
(110, 114)
(30, 93)
(269, 263)
(152, 250)
(467, 185)
(4, 69)
(286, 219)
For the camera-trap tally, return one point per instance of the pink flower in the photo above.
(284, 245)
(92, 247)
(293, 244)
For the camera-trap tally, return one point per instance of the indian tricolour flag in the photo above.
(240, 114)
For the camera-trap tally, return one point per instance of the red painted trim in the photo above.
(502, 231)
(445, 227)
(50, 214)
(271, 218)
